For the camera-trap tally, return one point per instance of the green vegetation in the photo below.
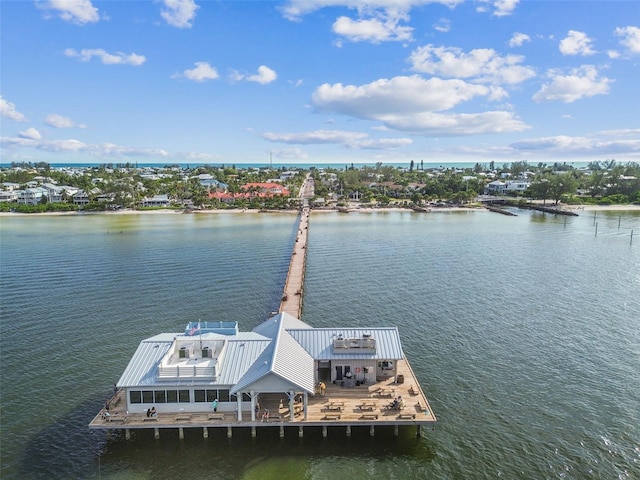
(126, 186)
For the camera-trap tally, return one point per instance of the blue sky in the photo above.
(319, 81)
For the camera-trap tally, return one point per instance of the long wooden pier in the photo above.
(294, 285)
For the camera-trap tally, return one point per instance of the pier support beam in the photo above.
(281, 431)
(229, 432)
(300, 431)
(324, 431)
(127, 434)
(348, 430)
(156, 433)
(418, 431)
(181, 433)
(253, 432)
(372, 431)
(395, 430)
(205, 432)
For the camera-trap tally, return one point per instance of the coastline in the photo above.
(169, 211)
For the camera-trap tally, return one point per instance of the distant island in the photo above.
(39, 187)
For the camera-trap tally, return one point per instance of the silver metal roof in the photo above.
(319, 343)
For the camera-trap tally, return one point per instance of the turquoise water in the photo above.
(523, 330)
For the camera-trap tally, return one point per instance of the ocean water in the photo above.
(524, 332)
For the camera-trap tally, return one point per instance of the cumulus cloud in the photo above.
(264, 76)
(200, 73)
(58, 121)
(8, 110)
(411, 104)
(500, 8)
(630, 38)
(518, 39)
(576, 43)
(596, 146)
(79, 12)
(72, 145)
(356, 140)
(179, 13)
(30, 133)
(482, 64)
(290, 154)
(443, 25)
(380, 29)
(579, 83)
(106, 58)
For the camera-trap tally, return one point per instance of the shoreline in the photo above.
(168, 211)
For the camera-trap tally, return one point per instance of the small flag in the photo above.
(195, 329)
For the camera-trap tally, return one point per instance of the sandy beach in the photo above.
(169, 211)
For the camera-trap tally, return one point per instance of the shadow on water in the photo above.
(67, 448)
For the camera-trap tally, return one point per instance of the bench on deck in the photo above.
(215, 416)
(333, 408)
(412, 390)
(274, 417)
(183, 418)
(369, 416)
(367, 406)
(116, 419)
(332, 416)
(407, 416)
(420, 407)
(149, 419)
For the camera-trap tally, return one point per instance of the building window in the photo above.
(183, 396)
(160, 396)
(199, 396)
(172, 396)
(135, 396)
(147, 396)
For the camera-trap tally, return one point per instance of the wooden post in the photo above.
(300, 431)
(205, 432)
(631, 240)
(418, 431)
(127, 433)
(619, 218)
(281, 431)
(596, 229)
(181, 433)
(156, 433)
(372, 430)
(253, 432)
(229, 432)
(324, 431)
(348, 430)
(395, 430)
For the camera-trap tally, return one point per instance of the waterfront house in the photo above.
(184, 372)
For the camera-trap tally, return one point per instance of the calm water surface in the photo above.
(524, 332)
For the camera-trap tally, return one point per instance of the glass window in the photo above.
(212, 395)
(160, 396)
(135, 396)
(183, 396)
(147, 396)
(246, 397)
(172, 396)
(198, 396)
(223, 395)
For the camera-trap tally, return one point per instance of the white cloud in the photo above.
(373, 30)
(8, 110)
(579, 83)
(613, 54)
(630, 38)
(501, 8)
(482, 64)
(576, 43)
(443, 25)
(200, 73)
(409, 104)
(117, 58)
(58, 121)
(356, 140)
(31, 134)
(79, 12)
(596, 145)
(264, 76)
(518, 39)
(179, 13)
(290, 153)
(72, 145)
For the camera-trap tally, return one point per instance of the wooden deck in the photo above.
(346, 406)
(294, 284)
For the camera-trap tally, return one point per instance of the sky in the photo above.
(319, 81)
